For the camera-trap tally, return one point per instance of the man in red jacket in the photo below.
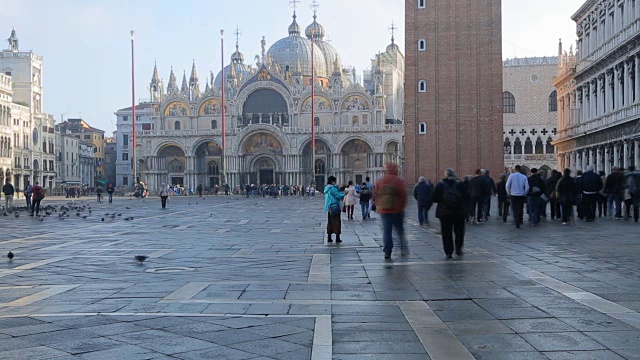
(390, 197)
(38, 195)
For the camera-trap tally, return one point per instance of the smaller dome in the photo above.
(294, 28)
(319, 30)
(393, 48)
(237, 57)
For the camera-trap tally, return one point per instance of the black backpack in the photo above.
(452, 196)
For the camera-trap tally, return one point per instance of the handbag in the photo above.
(334, 209)
(344, 208)
(374, 207)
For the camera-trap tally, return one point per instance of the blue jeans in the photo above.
(617, 199)
(423, 213)
(534, 209)
(364, 206)
(390, 221)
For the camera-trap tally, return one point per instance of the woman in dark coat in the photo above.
(566, 195)
(452, 197)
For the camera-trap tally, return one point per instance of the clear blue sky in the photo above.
(87, 48)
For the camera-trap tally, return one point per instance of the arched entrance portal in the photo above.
(208, 162)
(323, 157)
(356, 154)
(174, 164)
(266, 171)
(263, 152)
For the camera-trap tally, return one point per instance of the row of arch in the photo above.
(509, 102)
(528, 147)
(212, 148)
(270, 101)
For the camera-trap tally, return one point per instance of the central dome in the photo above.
(294, 50)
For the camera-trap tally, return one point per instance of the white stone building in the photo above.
(87, 161)
(68, 160)
(268, 120)
(124, 140)
(530, 113)
(32, 138)
(6, 130)
(599, 90)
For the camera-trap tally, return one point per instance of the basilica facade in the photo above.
(268, 119)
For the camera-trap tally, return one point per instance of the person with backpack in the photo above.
(332, 206)
(566, 193)
(422, 193)
(365, 197)
(534, 197)
(633, 186)
(38, 196)
(451, 195)
(390, 196)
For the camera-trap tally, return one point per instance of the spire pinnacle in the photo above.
(173, 84)
(185, 86)
(393, 29)
(294, 5)
(13, 41)
(314, 6)
(237, 34)
(194, 75)
(155, 78)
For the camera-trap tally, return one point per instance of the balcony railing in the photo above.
(286, 130)
(530, 157)
(613, 43)
(617, 117)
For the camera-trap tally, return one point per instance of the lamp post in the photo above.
(133, 107)
(224, 125)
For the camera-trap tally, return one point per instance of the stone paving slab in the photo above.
(236, 278)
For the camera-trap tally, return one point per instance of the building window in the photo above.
(550, 149)
(553, 101)
(176, 125)
(125, 140)
(87, 137)
(125, 180)
(517, 147)
(507, 146)
(316, 121)
(422, 86)
(125, 156)
(539, 146)
(125, 118)
(528, 146)
(422, 45)
(214, 124)
(508, 103)
(422, 128)
(422, 4)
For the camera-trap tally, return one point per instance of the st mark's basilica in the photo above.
(358, 127)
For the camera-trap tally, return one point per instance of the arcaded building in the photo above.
(453, 87)
(268, 119)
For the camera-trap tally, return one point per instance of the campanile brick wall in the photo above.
(463, 103)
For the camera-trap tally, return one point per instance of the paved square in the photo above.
(237, 278)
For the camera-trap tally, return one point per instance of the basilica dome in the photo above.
(330, 53)
(287, 53)
(237, 68)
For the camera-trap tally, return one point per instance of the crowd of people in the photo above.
(564, 196)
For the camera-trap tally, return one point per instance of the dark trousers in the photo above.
(35, 205)
(477, 207)
(535, 205)
(389, 222)
(567, 212)
(28, 197)
(635, 202)
(487, 206)
(554, 204)
(602, 205)
(503, 208)
(517, 202)
(163, 199)
(423, 213)
(589, 206)
(110, 198)
(99, 197)
(450, 225)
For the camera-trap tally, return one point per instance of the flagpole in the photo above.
(224, 127)
(133, 107)
(313, 108)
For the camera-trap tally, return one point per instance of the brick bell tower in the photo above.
(453, 88)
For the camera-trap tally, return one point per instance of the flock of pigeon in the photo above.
(63, 212)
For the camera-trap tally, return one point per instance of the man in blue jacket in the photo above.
(422, 193)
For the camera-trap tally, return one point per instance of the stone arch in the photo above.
(250, 130)
(262, 142)
(250, 89)
(210, 106)
(204, 141)
(323, 104)
(319, 139)
(355, 102)
(343, 143)
(162, 145)
(176, 108)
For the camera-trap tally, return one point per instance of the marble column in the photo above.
(616, 155)
(625, 159)
(637, 152)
